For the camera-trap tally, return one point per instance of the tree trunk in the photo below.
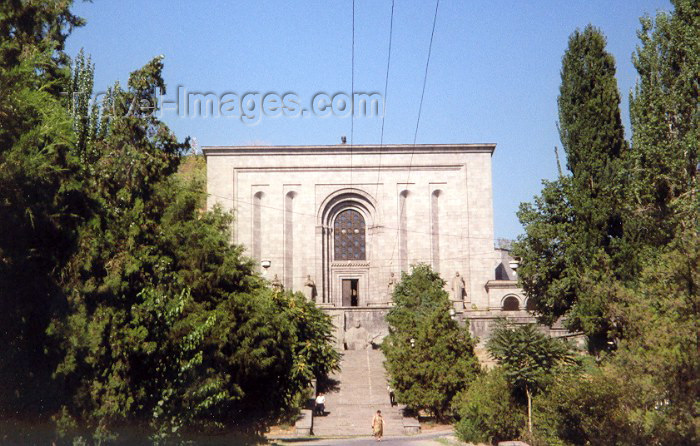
(529, 409)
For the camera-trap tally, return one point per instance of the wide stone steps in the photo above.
(361, 391)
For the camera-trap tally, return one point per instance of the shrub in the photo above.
(487, 410)
(582, 409)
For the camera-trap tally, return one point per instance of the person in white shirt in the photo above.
(321, 404)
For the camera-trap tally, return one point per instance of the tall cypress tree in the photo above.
(573, 231)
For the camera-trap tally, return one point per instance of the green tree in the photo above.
(42, 199)
(573, 232)
(546, 271)
(665, 117)
(528, 357)
(640, 292)
(647, 391)
(429, 356)
(657, 361)
(167, 327)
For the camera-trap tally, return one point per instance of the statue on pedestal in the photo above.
(391, 286)
(310, 288)
(457, 288)
(276, 284)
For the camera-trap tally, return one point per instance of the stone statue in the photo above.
(310, 288)
(391, 285)
(357, 337)
(457, 287)
(277, 284)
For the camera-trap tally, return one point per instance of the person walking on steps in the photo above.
(392, 397)
(378, 425)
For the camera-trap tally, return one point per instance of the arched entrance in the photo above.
(346, 220)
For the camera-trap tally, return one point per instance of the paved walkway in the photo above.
(444, 438)
(361, 391)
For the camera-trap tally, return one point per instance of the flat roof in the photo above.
(339, 149)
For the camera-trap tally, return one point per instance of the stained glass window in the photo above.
(349, 236)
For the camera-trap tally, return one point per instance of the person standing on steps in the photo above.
(321, 404)
(392, 398)
(378, 425)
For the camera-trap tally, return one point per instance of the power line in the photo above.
(386, 88)
(425, 74)
(420, 109)
(352, 90)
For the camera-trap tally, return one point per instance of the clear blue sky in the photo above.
(493, 75)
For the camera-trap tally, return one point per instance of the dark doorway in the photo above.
(350, 292)
(530, 305)
(511, 303)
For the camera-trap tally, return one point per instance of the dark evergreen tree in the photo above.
(573, 233)
(429, 356)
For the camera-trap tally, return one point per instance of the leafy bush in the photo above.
(582, 409)
(488, 411)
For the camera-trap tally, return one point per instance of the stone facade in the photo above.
(347, 217)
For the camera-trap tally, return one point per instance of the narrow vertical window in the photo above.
(435, 229)
(403, 231)
(257, 221)
(289, 240)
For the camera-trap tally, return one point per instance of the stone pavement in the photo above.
(361, 391)
(444, 438)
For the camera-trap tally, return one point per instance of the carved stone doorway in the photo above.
(351, 292)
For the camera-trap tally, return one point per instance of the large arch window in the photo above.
(349, 236)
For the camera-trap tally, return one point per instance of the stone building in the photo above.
(342, 222)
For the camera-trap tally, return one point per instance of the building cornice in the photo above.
(343, 149)
(502, 284)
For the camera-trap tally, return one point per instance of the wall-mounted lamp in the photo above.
(265, 264)
(514, 264)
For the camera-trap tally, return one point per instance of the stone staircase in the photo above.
(361, 390)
